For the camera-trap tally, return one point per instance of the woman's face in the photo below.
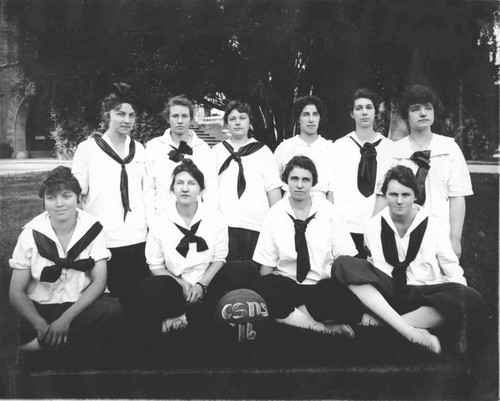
(299, 183)
(186, 189)
(399, 198)
(363, 113)
(179, 119)
(420, 116)
(61, 205)
(309, 120)
(122, 119)
(238, 124)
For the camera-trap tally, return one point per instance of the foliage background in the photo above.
(267, 53)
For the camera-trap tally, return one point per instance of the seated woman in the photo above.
(59, 273)
(300, 238)
(249, 182)
(360, 160)
(438, 163)
(415, 282)
(186, 250)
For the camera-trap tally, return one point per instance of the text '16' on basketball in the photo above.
(242, 308)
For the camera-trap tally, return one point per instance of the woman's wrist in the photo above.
(203, 287)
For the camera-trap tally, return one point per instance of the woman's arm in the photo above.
(57, 333)
(22, 304)
(196, 292)
(265, 270)
(163, 271)
(457, 216)
(274, 195)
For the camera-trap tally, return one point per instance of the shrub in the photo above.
(6, 150)
(68, 134)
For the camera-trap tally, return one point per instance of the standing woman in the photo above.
(301, 237)
(307, 113)
(359, 162)
(186, 252)
(110, 169)
(438, 163)
(165, 152)
(248, 181)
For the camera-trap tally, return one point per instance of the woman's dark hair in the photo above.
(181, 100)
(60, 179)
(189, 167)
(241, 107)
(121, 95)
(300, 162)
(304, 101)
(403, 175)
(366, 94)
(419, 94)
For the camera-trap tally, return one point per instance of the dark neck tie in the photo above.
(177, 154)
(48, 250)
(243, 151)
(124, 178)
(367, 168)
(391, 252)
(189, 236)
(303, 262)
(422, 160)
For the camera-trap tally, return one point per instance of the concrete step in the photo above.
(369, 382)
(285, 363)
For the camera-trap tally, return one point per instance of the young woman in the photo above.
(307, 112)
(164, 153)
(300, 238)
(436, 160)
(415, 282)
(249, 182)
(59, 273)
(359, 162)
(110, 169)
(186, 251)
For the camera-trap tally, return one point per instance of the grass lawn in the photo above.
(19, 203)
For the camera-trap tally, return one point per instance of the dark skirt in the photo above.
(126, 266)
(155, 298)
(359, 241)
(96, 327)
(457, 303)
(326, 300)
(242, 243)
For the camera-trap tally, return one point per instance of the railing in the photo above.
(211, 120)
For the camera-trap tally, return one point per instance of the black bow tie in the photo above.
(123, 178)
(177, 154)
(243, 151)
(367, 168)
(303, 262)
(189, 236)
(47, 248)
(422, 160)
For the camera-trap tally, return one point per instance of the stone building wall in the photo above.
(13, 108)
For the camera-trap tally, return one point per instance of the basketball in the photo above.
(243, 309)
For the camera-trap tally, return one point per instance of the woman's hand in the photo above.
(457, 246)
(186, 287)
(57, 332)
(41, 327)
(195, 294)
